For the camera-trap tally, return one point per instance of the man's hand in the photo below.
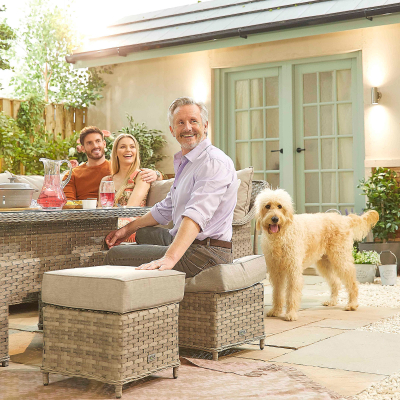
(162, 264)
(114, 238)
(148, 175)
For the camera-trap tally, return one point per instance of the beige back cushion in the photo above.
(158, 191)
(35, 181)
(4, 177)
(244, 193)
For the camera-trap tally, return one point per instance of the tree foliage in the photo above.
(46, 35)
(7, 36)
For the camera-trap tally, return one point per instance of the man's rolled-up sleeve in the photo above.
(162, 211)
(210, 187)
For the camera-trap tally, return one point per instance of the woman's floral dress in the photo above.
(123, 201)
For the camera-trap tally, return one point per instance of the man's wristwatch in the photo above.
(158, 173)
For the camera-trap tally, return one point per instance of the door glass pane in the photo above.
(242, 155)
(309, 88)
(346, 187)
(345, 153)
(257, 125)
(242, 94)
(258, 176)
(257, 156)
(242, 125)
(328, 158)
(273, 180)
(312, 187)
(256, 86)
(329, 208)
(345, 123)
(326, 86)
(310, 121)
(311, 154)
(312, 209)
(272, 119)
(329, 187)
(272, 91)
(326, 116)
(272, 158)
(343, 83)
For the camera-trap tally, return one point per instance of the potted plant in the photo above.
(383, 195)
(366, 264)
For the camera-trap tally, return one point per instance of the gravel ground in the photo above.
(376, 295)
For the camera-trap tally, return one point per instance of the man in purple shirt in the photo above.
(200, 204)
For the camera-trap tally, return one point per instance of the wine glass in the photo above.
(107, 194)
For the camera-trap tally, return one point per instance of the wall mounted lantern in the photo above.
(375, 95)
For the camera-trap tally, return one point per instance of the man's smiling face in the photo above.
(188, 128)
(94, 146)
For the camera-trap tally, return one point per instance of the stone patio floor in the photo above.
(323, 343)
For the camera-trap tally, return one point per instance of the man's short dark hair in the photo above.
(87, 130)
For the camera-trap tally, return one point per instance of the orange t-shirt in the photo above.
(85, 181)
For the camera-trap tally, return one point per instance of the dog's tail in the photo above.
(363, 224)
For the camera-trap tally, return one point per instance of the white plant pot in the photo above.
(365, 272)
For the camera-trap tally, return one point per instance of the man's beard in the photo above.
(90, 155)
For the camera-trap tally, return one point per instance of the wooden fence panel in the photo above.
(50, 122)
(79, 119)
(69, 116)
(6, 107)
(59, 120)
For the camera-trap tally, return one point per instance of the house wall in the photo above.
(144, 89)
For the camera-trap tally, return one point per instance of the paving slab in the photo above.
(26, 348)
(361, 351)
(345, 383)
(340, 324)
(300, 337)
(274, 325)
(370, 314)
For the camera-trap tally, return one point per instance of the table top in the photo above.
(37, 215)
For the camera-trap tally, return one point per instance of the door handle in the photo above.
(299, 150)
(280, 151)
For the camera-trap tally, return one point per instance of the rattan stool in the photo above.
(3, 331)
(223, 307)
(102, 324)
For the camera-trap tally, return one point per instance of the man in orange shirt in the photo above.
(85, 179)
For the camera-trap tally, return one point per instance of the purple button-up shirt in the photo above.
(205, 190)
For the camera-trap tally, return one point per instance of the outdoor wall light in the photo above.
(375, 95)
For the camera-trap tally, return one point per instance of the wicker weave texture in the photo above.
(109, 347)
(216, 321)
(3, 329)
(27, 250)
(241, 240)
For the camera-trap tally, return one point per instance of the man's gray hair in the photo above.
(187, 101)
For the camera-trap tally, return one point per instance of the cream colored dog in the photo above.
(291, 243)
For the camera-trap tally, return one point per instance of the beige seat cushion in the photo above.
(112, 288)
(4, 177)
(242, 273)
(244, 193)
(158, 191)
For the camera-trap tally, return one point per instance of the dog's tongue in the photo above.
(274, 228)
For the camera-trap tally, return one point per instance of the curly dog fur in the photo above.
(291, 243)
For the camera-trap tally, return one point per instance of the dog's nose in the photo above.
(275, 220)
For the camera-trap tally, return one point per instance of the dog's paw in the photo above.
(330, 303)
(274, 313)
(291, 316)
(351, 307)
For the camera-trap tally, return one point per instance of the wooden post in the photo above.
(49, 118)
(69, 122)
(7, 107)
(15, 108)
(79, 119)
(59, 121)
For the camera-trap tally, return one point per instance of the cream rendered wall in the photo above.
(146, 88)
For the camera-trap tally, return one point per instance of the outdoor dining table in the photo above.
(35, 241)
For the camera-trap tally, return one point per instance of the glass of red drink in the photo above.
(107, 194)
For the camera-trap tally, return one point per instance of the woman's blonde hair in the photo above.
(115, 166)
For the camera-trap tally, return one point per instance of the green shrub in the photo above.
(366, 257)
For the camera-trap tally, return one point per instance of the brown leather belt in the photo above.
(214, 242)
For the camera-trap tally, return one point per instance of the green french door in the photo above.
(253, 103)
(325, 125)
(300, 125)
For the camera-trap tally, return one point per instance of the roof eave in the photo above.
(242, 32)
